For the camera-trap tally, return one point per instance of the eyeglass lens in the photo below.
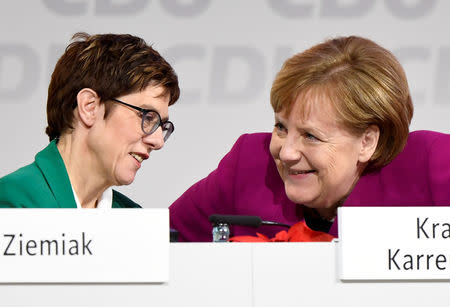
(151, 121)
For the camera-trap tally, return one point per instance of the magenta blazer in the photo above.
(247, 182)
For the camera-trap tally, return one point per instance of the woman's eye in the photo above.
(150, 118)
(311, 137)
(280, 127)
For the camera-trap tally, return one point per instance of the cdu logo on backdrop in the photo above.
(130, 7)
(232, 73)
(285, 8)
(19, 71)
(358, 8)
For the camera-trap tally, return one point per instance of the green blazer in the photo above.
(45, 184)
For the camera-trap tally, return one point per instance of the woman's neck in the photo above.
(329, 213)
(81, 169)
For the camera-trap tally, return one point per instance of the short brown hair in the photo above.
(365, 83)
(112, 65)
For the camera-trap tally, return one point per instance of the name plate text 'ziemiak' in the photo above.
(82, 245)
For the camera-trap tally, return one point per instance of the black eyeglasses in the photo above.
(151, 120)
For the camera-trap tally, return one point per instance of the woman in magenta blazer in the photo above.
(341, 138)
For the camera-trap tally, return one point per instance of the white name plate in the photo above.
(83, 245)
(394, 243)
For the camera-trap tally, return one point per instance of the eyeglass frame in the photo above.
(144, 112)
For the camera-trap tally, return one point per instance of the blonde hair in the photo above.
(365, 83)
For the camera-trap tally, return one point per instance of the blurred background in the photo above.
(226, 54)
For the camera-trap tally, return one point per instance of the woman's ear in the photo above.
(369, 142)
(88, 106)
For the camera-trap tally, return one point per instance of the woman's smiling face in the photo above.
(118, 143)
(318, 159)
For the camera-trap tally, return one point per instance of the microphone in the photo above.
(221, 228)
(242, 220)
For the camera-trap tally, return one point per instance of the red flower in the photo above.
(299, 232)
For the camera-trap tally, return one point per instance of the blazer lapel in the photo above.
(52, 167)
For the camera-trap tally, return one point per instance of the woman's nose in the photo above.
(155, 140)
(290, 150)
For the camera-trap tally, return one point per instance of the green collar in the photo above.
(52, 166)
(50, 162)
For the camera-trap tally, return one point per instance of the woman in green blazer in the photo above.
(107, 109)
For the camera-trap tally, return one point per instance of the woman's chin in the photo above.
(310, 201)
(302, 198)
(125, 180)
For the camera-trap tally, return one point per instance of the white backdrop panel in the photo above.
(226, 54)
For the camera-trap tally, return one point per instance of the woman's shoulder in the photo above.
(249, 150)
(22, 185)
(424, 145)
(253, 143)
(22, 176)
(426, 137)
